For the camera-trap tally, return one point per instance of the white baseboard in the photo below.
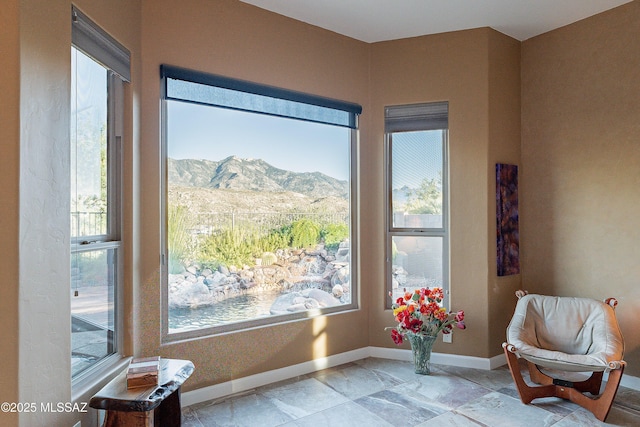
(243, 384)
(252, 381)
(441, 358)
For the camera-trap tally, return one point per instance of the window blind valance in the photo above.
(209, 89)
(414, 117)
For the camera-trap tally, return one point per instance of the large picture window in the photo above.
(258, 204)
(95, 217)
(417, 216)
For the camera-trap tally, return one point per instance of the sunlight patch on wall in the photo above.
(320, 337)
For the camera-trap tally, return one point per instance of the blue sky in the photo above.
(201, 132)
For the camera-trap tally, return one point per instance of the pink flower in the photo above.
(461, 325)
(460, 316)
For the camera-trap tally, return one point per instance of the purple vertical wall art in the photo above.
(508, 238)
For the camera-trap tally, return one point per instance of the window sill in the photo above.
(87, 384)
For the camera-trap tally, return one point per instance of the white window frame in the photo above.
(321, 106)
(91, 40)
(407, 118)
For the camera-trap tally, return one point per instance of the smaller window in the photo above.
(417, 217)
(99, 65)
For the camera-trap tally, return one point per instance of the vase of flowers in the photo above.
(421, 317)
(421, 346)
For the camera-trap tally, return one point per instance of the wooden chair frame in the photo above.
(599, 406)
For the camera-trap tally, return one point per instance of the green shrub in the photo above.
(285, 232)
(229, 247)
(333, 234)
(276, 239)
(427, 199)
(243, 246)
(240, 247)
(304, 233)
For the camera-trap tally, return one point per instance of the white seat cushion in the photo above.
(567, 334)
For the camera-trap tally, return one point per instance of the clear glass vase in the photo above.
(421, 346)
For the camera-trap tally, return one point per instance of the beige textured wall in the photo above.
(237, 40)
(45, 326)
(581, 164)
(477, 72)
(504, 147)
(9, 212)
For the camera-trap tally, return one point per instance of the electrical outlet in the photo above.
(447, 337)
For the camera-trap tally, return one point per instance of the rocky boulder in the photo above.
(189, 294)
(302, 301)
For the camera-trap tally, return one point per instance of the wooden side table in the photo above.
(158, 405)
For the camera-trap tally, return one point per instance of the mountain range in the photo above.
(235, 173)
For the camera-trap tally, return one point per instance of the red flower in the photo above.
(430, 308)
(396, 336)
(441, 314)
(403, 315)
(460, 316)
(435, 294)
(412, 324)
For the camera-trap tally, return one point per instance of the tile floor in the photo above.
(381, 392)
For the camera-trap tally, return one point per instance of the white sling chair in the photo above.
(559, 337)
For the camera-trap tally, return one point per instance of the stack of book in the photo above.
(143, 372)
